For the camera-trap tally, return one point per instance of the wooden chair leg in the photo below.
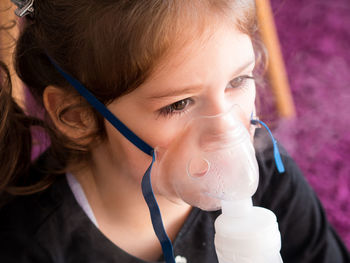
(276, 68)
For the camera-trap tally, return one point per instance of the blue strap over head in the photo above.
(146, 184)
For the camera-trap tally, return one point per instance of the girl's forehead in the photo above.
(202, 60)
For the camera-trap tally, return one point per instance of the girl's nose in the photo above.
(220, 130)
(216, 104)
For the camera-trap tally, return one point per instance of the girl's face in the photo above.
(205, 77)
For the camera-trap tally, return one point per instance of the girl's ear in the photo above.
(67, 114)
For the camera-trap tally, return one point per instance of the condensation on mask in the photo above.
(213, 159)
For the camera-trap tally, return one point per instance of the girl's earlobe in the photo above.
(67, 114)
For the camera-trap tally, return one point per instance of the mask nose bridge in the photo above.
(222, 123)
(217, 129)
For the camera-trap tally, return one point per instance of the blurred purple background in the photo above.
(315, 40)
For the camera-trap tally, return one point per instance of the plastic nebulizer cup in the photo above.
(247, 234)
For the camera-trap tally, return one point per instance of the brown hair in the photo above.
(111, 47)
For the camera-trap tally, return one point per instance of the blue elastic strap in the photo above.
(156, 216)
(146, 184)
(276, 152)
(100, 107)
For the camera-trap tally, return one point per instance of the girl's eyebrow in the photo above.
(193, 87)
(176, 92)
(244, 67)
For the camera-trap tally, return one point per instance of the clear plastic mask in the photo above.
(213, 159)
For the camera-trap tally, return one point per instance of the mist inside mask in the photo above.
(212, 159)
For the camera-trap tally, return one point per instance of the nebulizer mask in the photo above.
(210, 164)
(210, 160)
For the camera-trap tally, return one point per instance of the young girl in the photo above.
(156, 65)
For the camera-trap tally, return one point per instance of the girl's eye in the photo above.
(240, 82)
(175, 108)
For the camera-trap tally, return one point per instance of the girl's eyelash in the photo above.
(240, 82)
(180, 106)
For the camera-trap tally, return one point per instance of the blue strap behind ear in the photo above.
(146, 184)
(276, 152)
(100, 107)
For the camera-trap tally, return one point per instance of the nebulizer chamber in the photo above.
(212, 165)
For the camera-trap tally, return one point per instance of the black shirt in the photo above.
(50, 226)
